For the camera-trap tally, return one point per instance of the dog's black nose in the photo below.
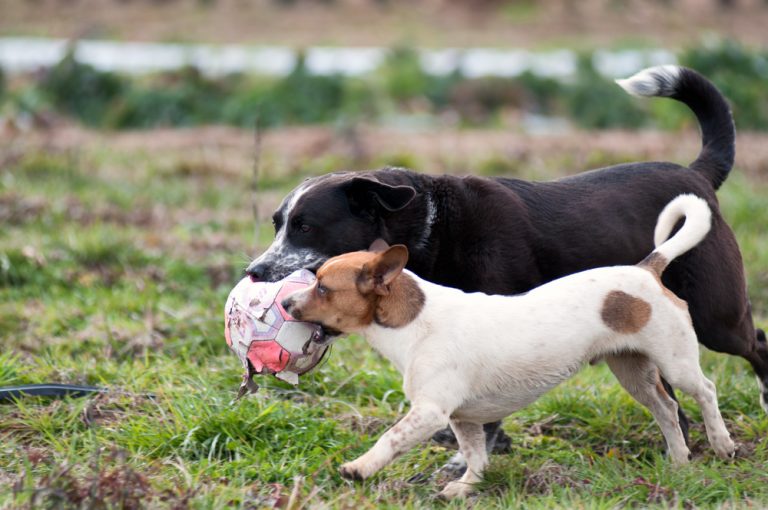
(256, 271)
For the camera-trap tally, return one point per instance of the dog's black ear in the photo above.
(365, 194)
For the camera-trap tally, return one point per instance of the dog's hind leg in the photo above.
(682, 419)
(710, 278)
(685, 373)
(496, 441)
(640, 377)
(472, 444)
(741, 339)
(761, 366)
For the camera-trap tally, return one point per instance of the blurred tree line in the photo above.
(399, 88)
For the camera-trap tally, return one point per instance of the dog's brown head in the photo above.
(356, 289)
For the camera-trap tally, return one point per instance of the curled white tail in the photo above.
(698, 219)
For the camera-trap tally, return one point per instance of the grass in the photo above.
(113, 271)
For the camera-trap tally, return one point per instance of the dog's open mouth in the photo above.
(329, 334)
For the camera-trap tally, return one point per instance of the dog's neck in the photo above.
(402, 305)
(398, 321)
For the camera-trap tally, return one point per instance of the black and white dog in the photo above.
(506, 236)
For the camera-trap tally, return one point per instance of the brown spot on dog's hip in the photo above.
(625, 313)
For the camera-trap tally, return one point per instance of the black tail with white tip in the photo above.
(702, 97)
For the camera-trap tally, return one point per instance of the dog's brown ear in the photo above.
(378, 274)
(388, 267)
(379, 245)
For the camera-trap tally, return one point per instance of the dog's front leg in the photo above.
(471, 437)
(423, 420)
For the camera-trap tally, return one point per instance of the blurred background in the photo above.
(143, 142)
(231, 96)
(527, 66)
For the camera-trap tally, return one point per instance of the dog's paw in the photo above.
(502, 443)
(451, 470)
(679, 456)
(446, 439)
(456, 490)
(352, 471)
(725, 448)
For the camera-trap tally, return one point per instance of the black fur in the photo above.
(718, 148)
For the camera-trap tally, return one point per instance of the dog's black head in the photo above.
(326, 216)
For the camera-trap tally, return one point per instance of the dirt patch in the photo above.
(75, 210)
(229, 152)
(109, 408)
(448, 23)
(368, 425)
(119, 486)
(548, 475)
(17, 210)
(544, 427)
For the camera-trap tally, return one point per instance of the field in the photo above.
(534, 24)
(118, 250)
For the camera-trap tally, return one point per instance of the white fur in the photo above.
(281, 249)
(698, 220)
(653, 81)
(429, 221)
(469, 359)
(763, 393)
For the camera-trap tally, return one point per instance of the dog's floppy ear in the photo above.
(378, 274)
(365, 194)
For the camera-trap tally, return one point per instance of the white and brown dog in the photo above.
(470, 359)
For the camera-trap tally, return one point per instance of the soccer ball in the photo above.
(265, 337)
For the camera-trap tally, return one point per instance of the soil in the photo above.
(229, 152)
(431, 23)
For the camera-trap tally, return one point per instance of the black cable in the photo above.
(54, 390)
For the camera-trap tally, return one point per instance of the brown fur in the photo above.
(660, 387)
(656, 263)
(672, 297)
(344, 307)
(624, 313)
(362, 287)
(402, 305)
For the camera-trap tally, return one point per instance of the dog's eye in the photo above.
(305, 228)
(322, 290)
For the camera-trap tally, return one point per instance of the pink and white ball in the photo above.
(265, 337)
